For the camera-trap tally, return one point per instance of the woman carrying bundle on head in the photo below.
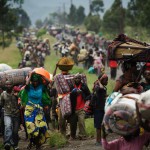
(34, 98)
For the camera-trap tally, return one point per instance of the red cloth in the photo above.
(147, 66)
(17, 88)
(79, 102)
(113, 64)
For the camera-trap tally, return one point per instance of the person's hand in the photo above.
(79, 91)
(74, 90)
(28, 78)
(22, 107)
(45, 108)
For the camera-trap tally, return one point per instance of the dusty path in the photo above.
(88, 144)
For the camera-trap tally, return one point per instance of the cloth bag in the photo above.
(65, 106)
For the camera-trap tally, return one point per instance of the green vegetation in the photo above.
(12, 19)
(56, 140)
(41, 32)
(10, 55)
(90, 130)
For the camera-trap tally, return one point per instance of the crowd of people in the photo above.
(33, 50)
(90, 51)
(40, 102)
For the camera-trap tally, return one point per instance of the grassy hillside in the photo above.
(10, 55)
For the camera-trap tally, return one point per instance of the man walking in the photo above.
(78, 96)
(9, 101)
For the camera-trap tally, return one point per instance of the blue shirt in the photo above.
(35, 94)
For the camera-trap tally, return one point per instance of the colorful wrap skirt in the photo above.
(35, 122)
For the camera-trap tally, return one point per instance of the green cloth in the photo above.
(23, 95)
(35, 77)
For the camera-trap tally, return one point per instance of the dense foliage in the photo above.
(12, 19)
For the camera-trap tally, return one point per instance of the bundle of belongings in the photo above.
(123, 112)
(82, 56)
(125, 48)
(16, 76)
(63, 84)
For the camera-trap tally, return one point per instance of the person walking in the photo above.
(135, 141)
(9, 101)
(100, 91)
(113, 69)
(34, 98)
(78, 95)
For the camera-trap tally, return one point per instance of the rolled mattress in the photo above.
(121, 117)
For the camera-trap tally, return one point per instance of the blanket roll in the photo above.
(17, 76)
(144, 105)
(121, 117)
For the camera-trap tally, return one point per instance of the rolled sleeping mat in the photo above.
(112, 99)
(2, 79)
(121, 117)
(144, 105)
(17, 76)
(115, 97)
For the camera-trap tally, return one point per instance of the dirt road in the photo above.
(88, 144)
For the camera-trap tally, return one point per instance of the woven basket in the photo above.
(65, 64)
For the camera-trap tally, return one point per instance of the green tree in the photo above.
(8, 19)
(80, 15)
(96, 6)
(20, 2)
(39, 23)
(72, 16)
(4, 8)
(93, 23)
(138, 13)
(22, 17)
(113, 19)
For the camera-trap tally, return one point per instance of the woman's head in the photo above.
(127, 65)
(146, 72)
(36, 79)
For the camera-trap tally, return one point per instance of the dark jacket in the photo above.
(101, 93)
(73, 95)
(10, 103)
